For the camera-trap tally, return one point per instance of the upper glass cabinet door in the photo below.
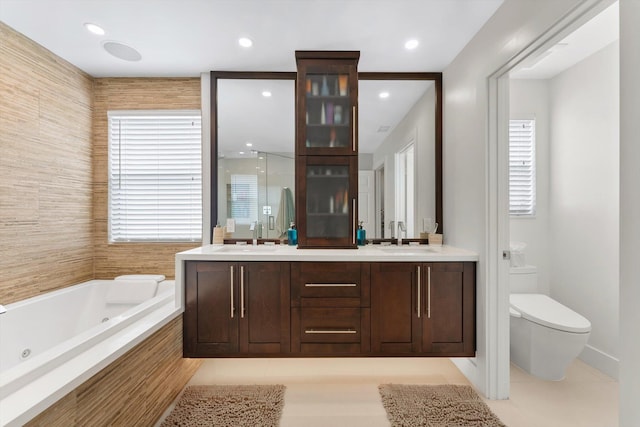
(327, 103)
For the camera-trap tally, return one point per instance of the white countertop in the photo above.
(406, 253)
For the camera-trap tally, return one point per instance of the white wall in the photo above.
(629, 213)
(529, 99)
(584, 199)
(417, 127)
(514, 26)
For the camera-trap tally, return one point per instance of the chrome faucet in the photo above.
(401, 229)
(392, 227)
(256, 227)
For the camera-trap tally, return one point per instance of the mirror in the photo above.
(254, 143)
(398, 136)
(401, 129)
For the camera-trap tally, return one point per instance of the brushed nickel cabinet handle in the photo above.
(330, 331)
(355, 222)
(231, 293)
(330, 285)
(419, 286)
(429, 292)
(242, 291)
(355, 124)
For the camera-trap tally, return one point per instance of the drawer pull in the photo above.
(328, 331)
(330, 285)
(231, 293)
(242, 291)
(419, 285)
(429, 292)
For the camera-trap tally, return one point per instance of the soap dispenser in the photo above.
(361, 235)
(292, 235)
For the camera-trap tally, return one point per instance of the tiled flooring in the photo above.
(343, 392)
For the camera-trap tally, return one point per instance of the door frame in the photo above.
(497, 161)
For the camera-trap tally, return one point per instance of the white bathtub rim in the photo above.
(27, 402)
(29, 370)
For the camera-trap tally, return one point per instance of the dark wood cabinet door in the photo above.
(449, 314)
(395, 325)
(326, 206)
(264, 307)
(211, 315)
(327, 103)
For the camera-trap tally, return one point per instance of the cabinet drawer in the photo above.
(327, 279)
(330, 325)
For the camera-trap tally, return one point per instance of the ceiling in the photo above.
(180, 38)
(184, 38)
(593, 35)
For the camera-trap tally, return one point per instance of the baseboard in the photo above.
(600, 360)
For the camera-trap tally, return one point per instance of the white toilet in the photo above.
(545, 335)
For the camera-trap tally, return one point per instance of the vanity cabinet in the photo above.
(423, 308)
(327, 149)
(330, 308)
(320, 309)
(236, 308)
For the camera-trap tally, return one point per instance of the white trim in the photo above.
(205, 107)
(600, 360)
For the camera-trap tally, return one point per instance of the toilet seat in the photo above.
(547, 312)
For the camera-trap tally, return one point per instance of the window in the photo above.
(242, 198)
(155, 176)
(522, 168)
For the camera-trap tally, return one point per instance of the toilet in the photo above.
(545, 335)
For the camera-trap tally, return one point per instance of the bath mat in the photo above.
(436, 406)
(228, 406)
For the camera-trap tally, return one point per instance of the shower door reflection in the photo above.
(259, 193)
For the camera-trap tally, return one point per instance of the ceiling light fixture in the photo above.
(411, 44)
(383, 95)
(249, 144)
(266, 93)
(94, 28)
(245, 42)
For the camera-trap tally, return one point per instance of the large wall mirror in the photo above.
(253, 145)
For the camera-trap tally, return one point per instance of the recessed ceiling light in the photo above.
(241, 152)
(245, 42)
(249, 144)
(266, 93)
(93, 28)
(122, 51)
(411, 44)
(383, 95)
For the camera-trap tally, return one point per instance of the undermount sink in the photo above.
(248, 248)
(407, 250)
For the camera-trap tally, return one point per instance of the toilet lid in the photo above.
(545, 311)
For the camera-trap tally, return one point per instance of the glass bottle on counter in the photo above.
(361, 235)
(292, 235)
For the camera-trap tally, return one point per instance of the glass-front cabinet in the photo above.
(327, 103)
(327, 148)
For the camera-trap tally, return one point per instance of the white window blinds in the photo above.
(243, 198)
(155, 176)
(522, 168)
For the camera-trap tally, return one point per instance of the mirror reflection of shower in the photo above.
(259, 188)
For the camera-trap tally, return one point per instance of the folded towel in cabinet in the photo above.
(131, 291)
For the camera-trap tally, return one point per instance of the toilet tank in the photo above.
(523, 279)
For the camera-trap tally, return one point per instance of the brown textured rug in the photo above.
(436, 406)
(228, 406)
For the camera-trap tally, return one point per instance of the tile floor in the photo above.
(343, 392)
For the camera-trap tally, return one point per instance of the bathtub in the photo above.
(52, 343)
